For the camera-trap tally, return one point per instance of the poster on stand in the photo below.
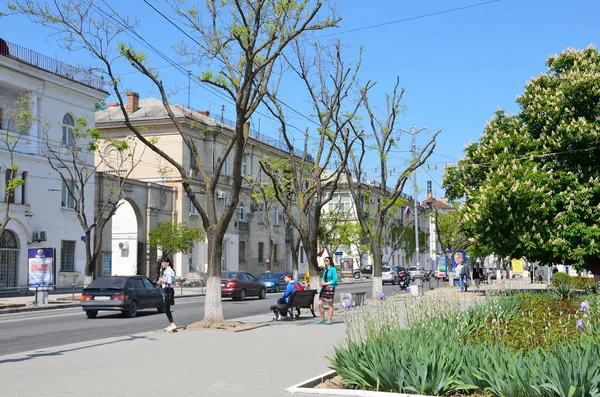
(41, 269)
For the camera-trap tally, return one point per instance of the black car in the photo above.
(127, 294)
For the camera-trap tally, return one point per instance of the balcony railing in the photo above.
(51, 65)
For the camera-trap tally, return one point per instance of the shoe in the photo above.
(166, 328)
(328, 323)
(320, 322)
(171, 328)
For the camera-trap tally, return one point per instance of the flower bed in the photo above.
(512, 345)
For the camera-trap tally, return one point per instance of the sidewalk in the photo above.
(259, 362)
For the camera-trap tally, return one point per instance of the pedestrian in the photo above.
(509, 269)
(554, 269)
(477, 275)
(290, 288)
(328, 284)
(461, 270)
(167, 283)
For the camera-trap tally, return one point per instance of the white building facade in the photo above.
(41, 210)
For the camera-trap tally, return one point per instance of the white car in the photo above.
(415, 272)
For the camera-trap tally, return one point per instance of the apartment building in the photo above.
(245, 245)
(41, 210)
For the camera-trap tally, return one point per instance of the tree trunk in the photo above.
(377, 263)
(213, 310)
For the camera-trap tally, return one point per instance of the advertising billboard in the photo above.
(41, 269)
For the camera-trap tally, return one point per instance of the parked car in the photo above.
(415, 272)
(366, 271)
(127, 294)
(273, 281)
(389, 274)
(239, 285)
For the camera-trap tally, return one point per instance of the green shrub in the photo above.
(559, 277)
(516, 345)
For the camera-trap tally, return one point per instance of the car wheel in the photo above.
(133, 309)
(91, 313)
(243, 295)
(262, 294)
(276, 288)
(356, 275)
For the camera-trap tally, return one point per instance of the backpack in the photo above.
(298, 287)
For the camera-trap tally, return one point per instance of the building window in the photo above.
(245, 164)
(340, 203)
(67, 256)
(193, 210)
(68, 124)
(68, 190)
(225, 203)
(242, 251)
(275, 256)
(242, 212)
(193, 163)
(276, 217)
(261, 249)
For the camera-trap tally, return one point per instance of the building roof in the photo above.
(437, 204)
(150, 108)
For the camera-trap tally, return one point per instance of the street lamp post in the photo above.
(413, 131)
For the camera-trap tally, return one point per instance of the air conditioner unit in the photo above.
(123, 245)
(42, 236)
(220, 194)
(35, 237)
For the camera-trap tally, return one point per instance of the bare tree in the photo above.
(307, 182)
(73, 160)
(17, 120)
(374, 214)
(235, 44)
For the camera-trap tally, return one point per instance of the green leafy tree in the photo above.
(450, 232)
(234, 46)
(18, 120)
(531, 184)
(172, 238)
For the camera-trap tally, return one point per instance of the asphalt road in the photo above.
(36, 330)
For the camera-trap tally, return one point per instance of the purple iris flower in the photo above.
(585, 306)
(347, 304)
(381, 296)
(407, 290)
(580, 324)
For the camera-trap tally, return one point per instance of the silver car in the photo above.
(389, 274)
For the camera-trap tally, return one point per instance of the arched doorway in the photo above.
(126, 255)
(9, 261)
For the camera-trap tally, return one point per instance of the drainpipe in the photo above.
(147, 231)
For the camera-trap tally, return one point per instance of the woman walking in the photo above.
(167, 282)
(477, 275)
(328, 284)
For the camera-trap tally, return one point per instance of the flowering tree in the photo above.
(531, 183)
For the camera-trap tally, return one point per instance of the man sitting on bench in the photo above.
(291, 287)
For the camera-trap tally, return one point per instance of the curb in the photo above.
(307, 387)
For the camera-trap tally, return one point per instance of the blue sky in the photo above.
(457, 67)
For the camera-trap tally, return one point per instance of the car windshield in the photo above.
(385, 269)
(108, 282)
(412, 269)
(229, 275)
(269, 276)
